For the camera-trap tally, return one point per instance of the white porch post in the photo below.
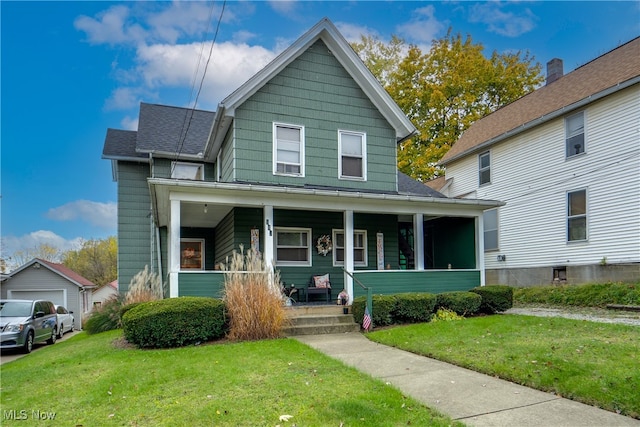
(479, 220)
(268, 234)
(174, 248)
(418, 241)
(348, 253)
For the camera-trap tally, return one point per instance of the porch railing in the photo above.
(367, 289)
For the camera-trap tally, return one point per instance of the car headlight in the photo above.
(14, 327)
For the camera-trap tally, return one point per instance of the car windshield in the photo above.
(15, 309)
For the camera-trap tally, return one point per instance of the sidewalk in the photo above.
(472, 398)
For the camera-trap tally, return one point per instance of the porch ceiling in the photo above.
(193, 214)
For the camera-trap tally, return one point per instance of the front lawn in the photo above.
(593, 363)
(90, 380)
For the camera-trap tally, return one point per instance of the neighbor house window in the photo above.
(574, 128)
(293, 246)
(484, 168)
(577, 215)
(288, 149)
(490, 224)
(182, 170)
(353, 155)
(359, 247)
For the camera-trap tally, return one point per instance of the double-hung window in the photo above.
(293, 246)
(359, 247)
(288, 149)
(484, 168)
(577, 215)
(353, 155)
(574, 128)
(490, 225)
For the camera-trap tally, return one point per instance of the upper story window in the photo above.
(288, 149)
(574, 129)
(183, 170)
(484, 168)
(577, 215)
(490, 225)
(359, 247)
(293, 246)
(353, 155)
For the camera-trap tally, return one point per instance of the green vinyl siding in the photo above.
(235, 230)
(209, 284)
(316, 92)
(396, 282)
(226, 160)
(134, 224)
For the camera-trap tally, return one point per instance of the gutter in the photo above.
(544, 118)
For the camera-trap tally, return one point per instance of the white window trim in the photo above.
(198, 166)
(585, 215)
(481, 169)
(497, 230)
(337, 263)
(584, 133)
(292, 230)
(363, 135)
(275, 150)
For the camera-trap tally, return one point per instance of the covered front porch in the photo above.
(388, 243)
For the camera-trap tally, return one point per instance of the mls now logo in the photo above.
(19, 415)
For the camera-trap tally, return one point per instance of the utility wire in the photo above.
(189, 115)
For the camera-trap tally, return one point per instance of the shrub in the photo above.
(463, 303)
(253, 297)
(174, 322)
(144, 286)
(495, 298)
(381, 312)
(414, 307)
(445, 315)
(588, 295)
(105, 318)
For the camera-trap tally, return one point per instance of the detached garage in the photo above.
(40, 279)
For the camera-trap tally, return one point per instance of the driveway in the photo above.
(11, 355)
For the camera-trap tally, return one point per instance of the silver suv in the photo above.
(25, 322)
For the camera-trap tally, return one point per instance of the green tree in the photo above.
(96, 260)
(445, 90)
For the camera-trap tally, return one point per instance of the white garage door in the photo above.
(56, 297)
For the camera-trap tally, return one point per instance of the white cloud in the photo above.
(111, 27)
(96, 213)
(123, 98)
(29, 243)
(129, 123)
(502, 22)
(423, 26)
(283, 7)
(353, 32)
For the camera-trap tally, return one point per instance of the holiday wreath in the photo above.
(324, 245)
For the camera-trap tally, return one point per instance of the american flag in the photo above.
(366, 321)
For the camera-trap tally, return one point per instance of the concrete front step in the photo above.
(315, 320)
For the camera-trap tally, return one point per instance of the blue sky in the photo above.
(70, 70)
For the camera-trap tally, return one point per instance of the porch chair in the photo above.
(319, 285)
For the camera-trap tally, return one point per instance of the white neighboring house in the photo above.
(104, 293)
(566, 160)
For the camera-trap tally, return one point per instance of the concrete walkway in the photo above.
(472, 398)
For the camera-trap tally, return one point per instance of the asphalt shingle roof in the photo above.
(121, 143)
(163, 128)
(605, 72)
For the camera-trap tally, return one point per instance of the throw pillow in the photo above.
(322, 281)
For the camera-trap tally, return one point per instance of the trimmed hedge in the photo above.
(383, 307)
(587, 295)
(463, 303)
(414, 307)
(495, 298)
(174, 322)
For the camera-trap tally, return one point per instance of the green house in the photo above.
(299, 158)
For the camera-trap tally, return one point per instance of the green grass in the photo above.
(88, 380)
(594, 363)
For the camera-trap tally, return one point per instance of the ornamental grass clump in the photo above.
(253, 298)
(144, 286)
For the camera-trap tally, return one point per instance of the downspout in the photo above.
(152, 242)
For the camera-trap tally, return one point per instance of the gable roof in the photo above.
(342, 51)
(59, 269)
(609, 73)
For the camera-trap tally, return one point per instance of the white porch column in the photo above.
(479, 220)
(418, 241)
(348, 253)
(268, 234)
(174, 247)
